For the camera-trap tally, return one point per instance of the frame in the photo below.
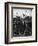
(26, 13)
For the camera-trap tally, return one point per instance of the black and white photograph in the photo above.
(20, 22)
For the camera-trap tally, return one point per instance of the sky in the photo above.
(20, 12)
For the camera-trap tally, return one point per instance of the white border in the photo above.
(14, 39)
